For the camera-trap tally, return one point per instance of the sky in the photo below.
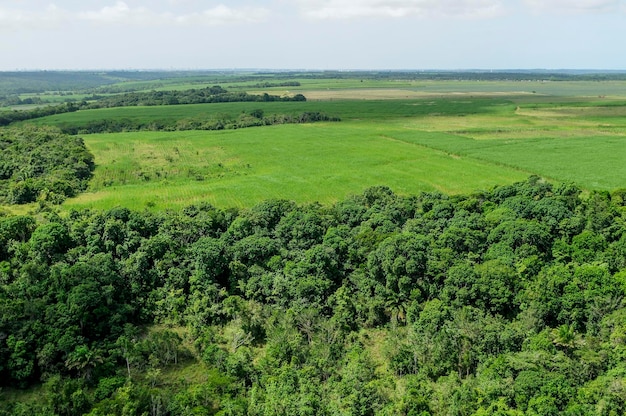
(312, 34)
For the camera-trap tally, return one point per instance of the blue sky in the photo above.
(312, 34)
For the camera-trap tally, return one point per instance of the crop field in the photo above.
(327, 88)
(348, 110)
(319, 162)
(450, 136)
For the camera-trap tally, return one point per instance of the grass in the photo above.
(451, 144)
(592, 162)
(451, 136)
(584, 143)
(308, 84)
(320, 162)
(383, 110)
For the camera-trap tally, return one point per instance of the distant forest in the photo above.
(215, 94)
(21, 82)
(206, 95)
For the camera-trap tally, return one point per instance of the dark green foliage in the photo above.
(8, 117)
(14, 230)
(209, 122)
(508, 301)
(276, 84)
(214, 94)
(42, 163)
(208, 95)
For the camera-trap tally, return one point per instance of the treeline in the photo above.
(268, 84)
(8, 117)
(254, 118)
(508, 301)
(42, 163)
(470, 75)
(214, 94)
(13, 100)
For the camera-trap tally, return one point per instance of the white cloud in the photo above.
(223, 15)
(120, 13)
(345, 9)
(575, 6)
(49, 17)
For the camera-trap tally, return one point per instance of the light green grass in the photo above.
(592, 162)
(320, 162)
(453, 142)
(381, 110)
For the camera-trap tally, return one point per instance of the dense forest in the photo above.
(253, 118)
(42, 163)
(506, 301)
(214, 94)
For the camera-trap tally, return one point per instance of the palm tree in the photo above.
(566, 337)
(395, 305)
(84, 360)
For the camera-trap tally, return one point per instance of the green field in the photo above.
(451, 136)
(411, 83)
(367, 110)
(319, 162)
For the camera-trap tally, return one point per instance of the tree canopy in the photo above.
(507, 301)
(42, 163)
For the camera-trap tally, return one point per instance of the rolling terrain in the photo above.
(409, 246)
(452, 142)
